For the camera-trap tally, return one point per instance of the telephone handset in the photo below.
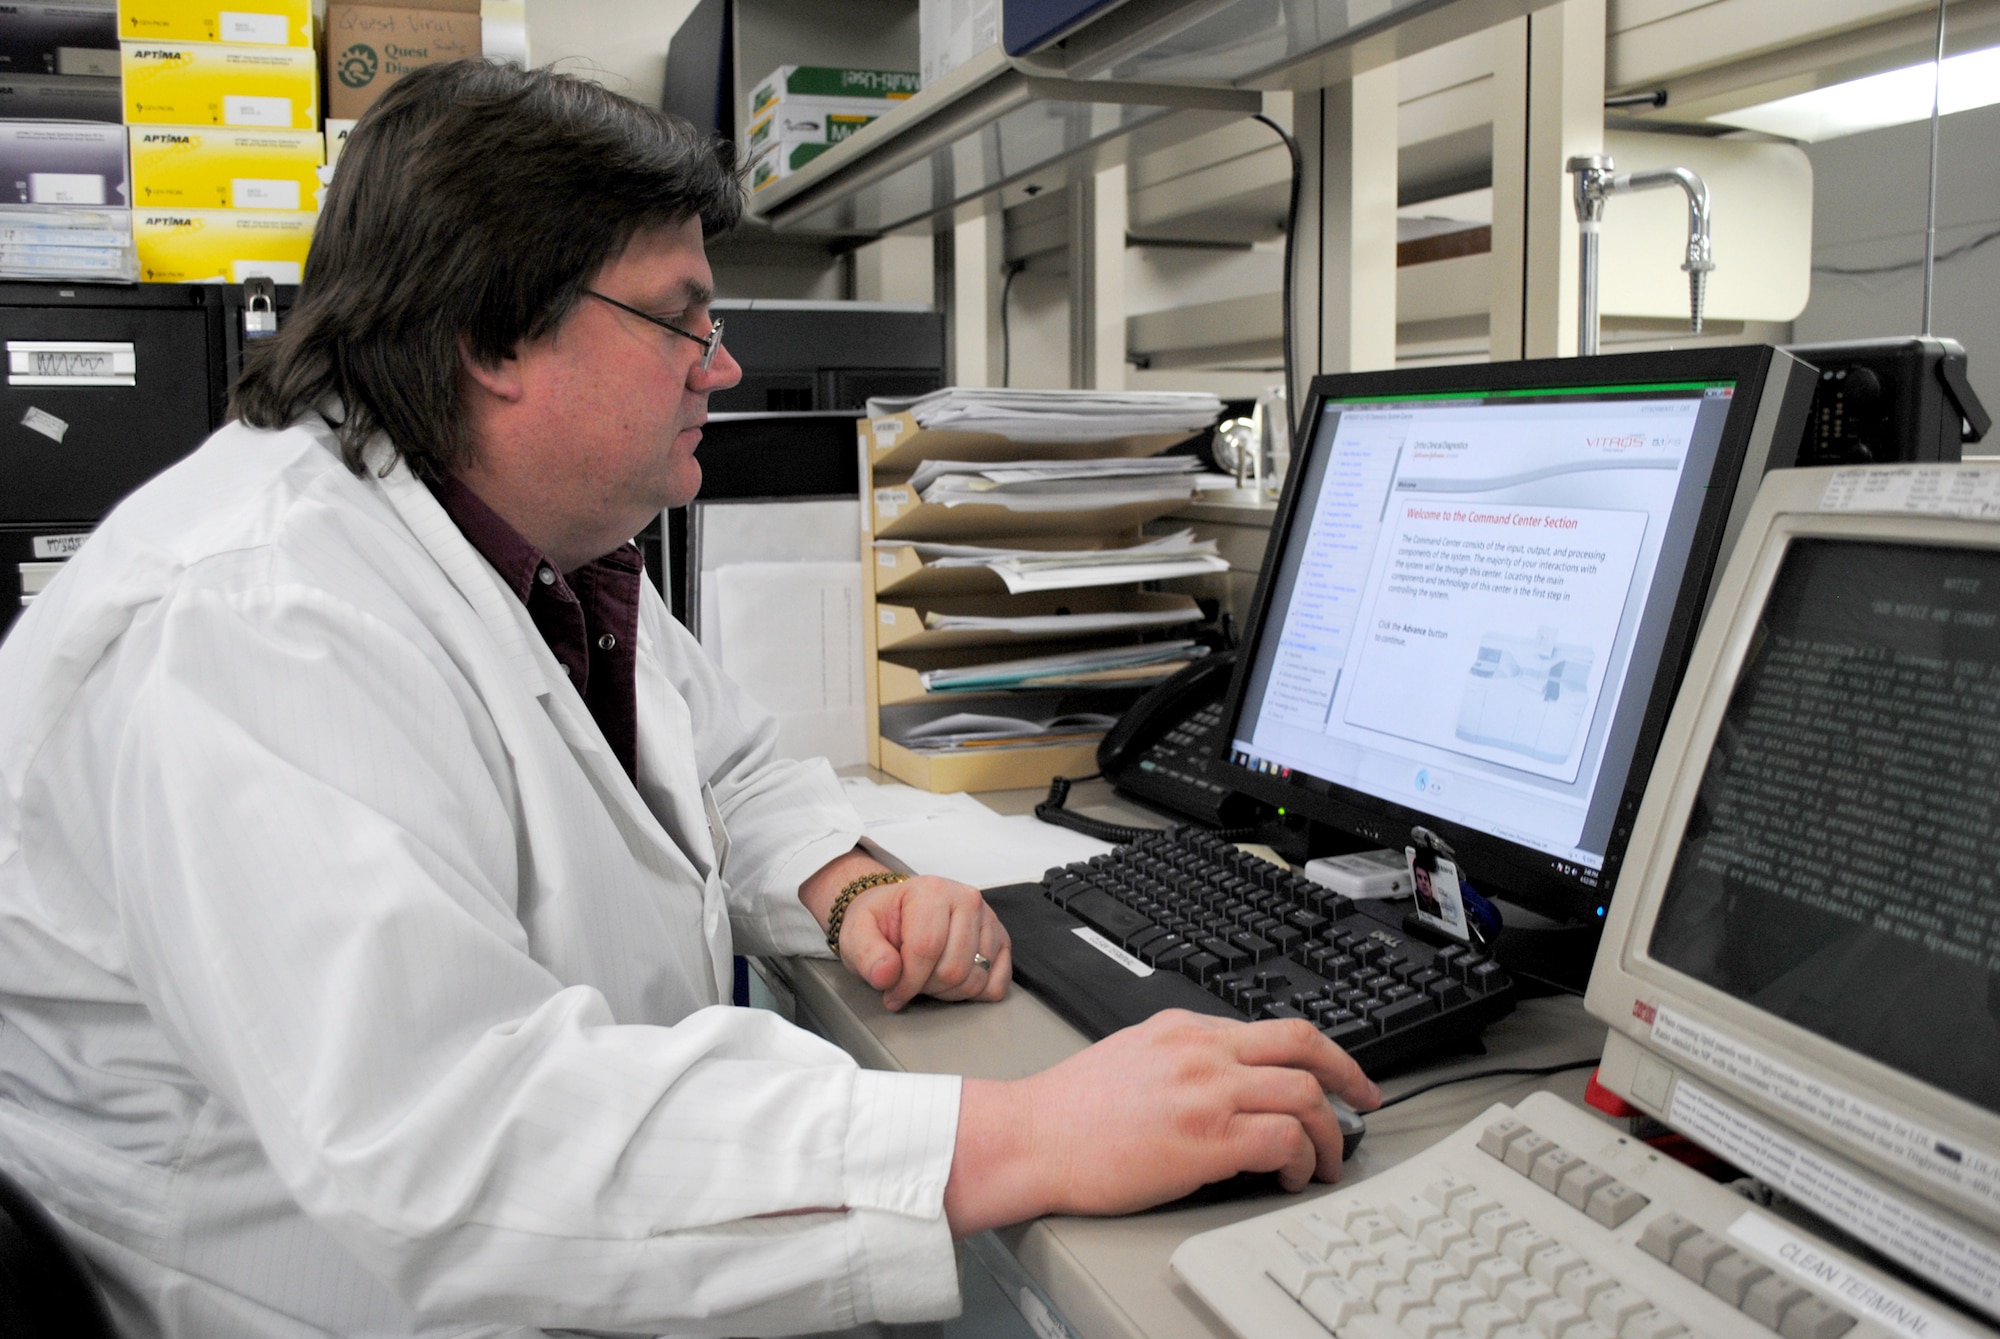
(1162, 749)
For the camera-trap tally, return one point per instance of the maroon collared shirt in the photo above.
(589, 617)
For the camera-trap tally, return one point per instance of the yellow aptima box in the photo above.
(254, 22)
(217, 167)
(214, 84)
(227, 245)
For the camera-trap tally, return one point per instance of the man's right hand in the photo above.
(1150, 1114)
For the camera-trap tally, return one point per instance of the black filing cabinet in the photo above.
(105, 386)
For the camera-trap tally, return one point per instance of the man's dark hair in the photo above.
(473, 204)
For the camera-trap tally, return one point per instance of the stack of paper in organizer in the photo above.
(1007, 581)
(924, 568)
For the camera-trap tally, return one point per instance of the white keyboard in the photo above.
(1536, 1222)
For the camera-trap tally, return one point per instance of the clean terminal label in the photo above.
(1924, 1242)
(1808, 1262)
(1950, 1164)
(1969, 491)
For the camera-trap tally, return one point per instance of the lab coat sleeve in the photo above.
(314, 862)
(786, 818)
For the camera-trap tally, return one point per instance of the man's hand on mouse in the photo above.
(1150, 1114)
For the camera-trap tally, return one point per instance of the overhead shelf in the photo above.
(984, 125)
(1227, 44)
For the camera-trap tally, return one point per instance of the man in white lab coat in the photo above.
(373, 844)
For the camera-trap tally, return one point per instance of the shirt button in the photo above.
(546, 575)
(607, 642)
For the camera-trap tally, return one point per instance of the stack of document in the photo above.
(1056, 416)
(1065, 625)
(1114, 667)
(1064, 485)
(970, 730)
(1175, 555)
(43, 242)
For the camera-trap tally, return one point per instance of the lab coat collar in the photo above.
(507, 619)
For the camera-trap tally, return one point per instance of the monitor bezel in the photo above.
(1520, 874)
(1628, 986)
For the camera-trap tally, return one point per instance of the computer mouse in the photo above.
(1352, 1126)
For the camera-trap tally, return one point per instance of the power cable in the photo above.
(1291, 252)
(1010, 269)
(1534, 1072)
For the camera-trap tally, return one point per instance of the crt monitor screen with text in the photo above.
(1468, 614)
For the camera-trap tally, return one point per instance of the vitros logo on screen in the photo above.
(1631, 441)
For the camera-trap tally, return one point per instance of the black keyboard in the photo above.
(1184, 919)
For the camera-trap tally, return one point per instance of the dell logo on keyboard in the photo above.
(1386, 939)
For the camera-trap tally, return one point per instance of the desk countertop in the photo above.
(1109, 1277)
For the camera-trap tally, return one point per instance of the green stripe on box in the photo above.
(827, 82)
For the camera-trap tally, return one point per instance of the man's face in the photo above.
(620, 400)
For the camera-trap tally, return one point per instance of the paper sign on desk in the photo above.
(985, 850)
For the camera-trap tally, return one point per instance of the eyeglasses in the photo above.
(710, 342)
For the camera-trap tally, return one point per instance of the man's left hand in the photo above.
(926, 936)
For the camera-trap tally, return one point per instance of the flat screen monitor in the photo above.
(1802, 967)
(1479, 595)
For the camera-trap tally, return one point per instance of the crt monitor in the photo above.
(1479, 594)
(1802, 969)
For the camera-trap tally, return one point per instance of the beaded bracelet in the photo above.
(847, 895)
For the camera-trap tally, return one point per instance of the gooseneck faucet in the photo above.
(1595, 183)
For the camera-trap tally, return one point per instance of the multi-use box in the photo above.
(219, 167)
(249, 22)
(219, 84)
(231, 245)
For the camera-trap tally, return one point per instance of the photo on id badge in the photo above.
(1440, 905)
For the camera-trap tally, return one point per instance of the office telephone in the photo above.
(1162, 749)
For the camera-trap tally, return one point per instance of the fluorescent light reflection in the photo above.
(1891, 99)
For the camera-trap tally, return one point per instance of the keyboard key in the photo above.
(1402, 1255)
(1453, 1298)
(1427, 1276)
(1413, 1214)
(1552, 1266)
(1664, 1235)
(1444, 1191)
(1371, 1229)
(1523, 1152)
(1292, 1269)
(1524, 1243)
(1399, 1299)
(1496, 1274)
(1372, 1326)
(1612, 1309)
(1442, 1235)
(1467, 1255)
(1769, 1298)
(1550, 1168)
(1814, 1319)
(1201, 966)
(1590, 1330)
(1490, 1228)
(1340, 1034)
(1584, 1286)
(1652, 1325)
(1732, 1277)
(1614, 1204)
(1697, 1255)
(1497, 1138)
(1485, 978)
(1332, 1302)
(1523, 1295)
(1482, 1320)
(1256, 946)
(1426, 1322)
(1580, 1182)
(1448, 993)
(1467, 1210)
(1555, 1318)
(1371, 1280)
(1101, 911)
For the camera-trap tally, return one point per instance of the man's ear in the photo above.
(500, 378)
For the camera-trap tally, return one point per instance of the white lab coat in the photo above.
(348, 985)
